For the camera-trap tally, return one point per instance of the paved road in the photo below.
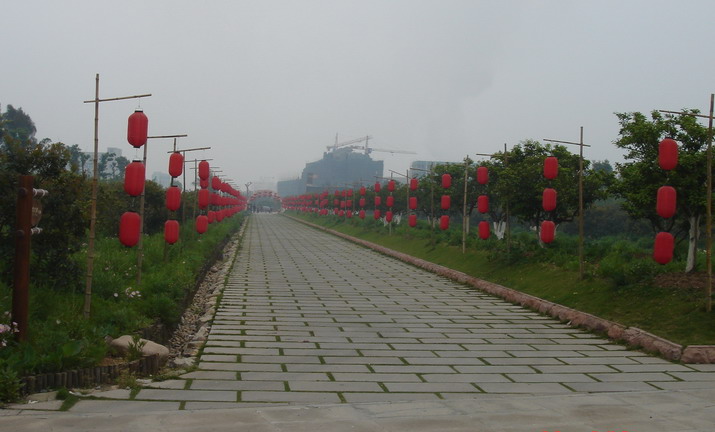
(307, 318)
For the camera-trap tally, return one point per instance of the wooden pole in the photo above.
(140, 244)
(580, 209)
(93, 207)
(464, 206)
(508, 224)
(709, 216)
(23, 233)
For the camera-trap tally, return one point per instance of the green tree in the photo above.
(640, 176)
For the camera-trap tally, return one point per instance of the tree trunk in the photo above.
(693, 235)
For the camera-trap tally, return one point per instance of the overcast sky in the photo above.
(268, 84)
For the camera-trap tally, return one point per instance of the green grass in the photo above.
(677, 315)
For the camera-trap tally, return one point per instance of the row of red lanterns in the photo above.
(666, 201)
(134, 179)
(548, 199)
(173, 197)
(483, 202)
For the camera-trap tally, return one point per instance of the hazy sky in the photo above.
(268, 84)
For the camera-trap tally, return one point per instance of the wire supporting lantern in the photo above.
(413, 184)
(413, 203)
(444, 222)
(171, 231)
(668, 154)
(482, 175)
(446, 202)
(666, 202)
(412, 220)
(483, 230)
(483, 204)
(173, 198)
(137, 128)
(663, 247)
(551, 167)
(129, 229)
(202, 224)
(134, 178)
(446, 181)
(548, 231)
(548, 199)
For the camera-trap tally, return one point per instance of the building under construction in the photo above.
(339, 168)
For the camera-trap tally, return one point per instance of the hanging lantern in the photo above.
(483, 204)
(412, 220)
(129, 228)
(341, 213)
(548, 199)
(548, 230)
(391, 186)
(551, 167)
(211, 216)
(138, 126)
(203, 170)
(361, 203)
(336, 202)
(666, 201)
(390, 201)
(342, 204)
(388, 216)
(668, 154)
(362, 191)
(378, 201)
(134, 177)
(413, 184)
(173, 198)
(413, 203)
(215, 183)
(446, 181)
(362, 214)
(377, 187)
(444, 222)
(663, 248)
(176, 164)
(350, 193)
(446, 202)
(219, 215)
(171, 231)
(483, 230)
(349, 214)
(482, 175)
(204, 183)
(376, 214)
(202, 224)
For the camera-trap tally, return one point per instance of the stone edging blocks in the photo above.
(633, 336)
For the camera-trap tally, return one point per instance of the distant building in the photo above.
(164, 179)
(111, 166)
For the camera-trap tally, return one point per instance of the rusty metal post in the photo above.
(23, 233)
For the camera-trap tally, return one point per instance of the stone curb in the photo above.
(632, 336)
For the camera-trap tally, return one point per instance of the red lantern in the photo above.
(129, 228)
(413, 184)
(377, 187)
(390, 201)
(171, 231)
(349, 204)
(173, 198)
(668, 154)
(362, 191)
(203, 170)
(138, 125)
(376, 214)
(548, 199)
(391, 186)
(341, 213)
(215, 183)
(412, 220)
(219, 215)
(342, 204)
(336, 202)
(362, 214)
(548, 230)
(361, 203)
(378, 201)
(446, 202)
(349, 214)
(204, 183)
(444, 222)
(484, 230)
(134, 177)
(350, 193)
(202, 224)
(446, 181)
(663, 248)
(483, 204)
(482, 175)
(204, 195)
(212, 216)
(551, 167)
(176, 164)
(388, 216)
(665, 204)
(413, 203)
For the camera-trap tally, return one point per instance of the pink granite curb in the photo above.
(632, 336)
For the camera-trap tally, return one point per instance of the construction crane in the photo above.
(338, 145)
(367, 149)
